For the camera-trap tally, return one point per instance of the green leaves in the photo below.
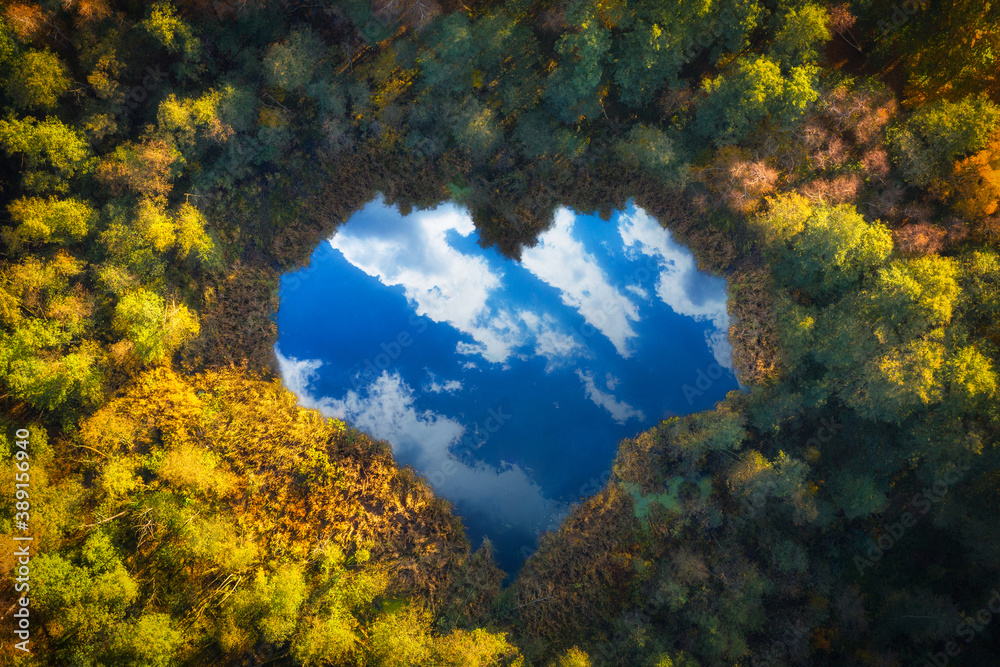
(832, 250)
(928, 142)
(654, 152)
(572, 92)
(292, 65)
(802, 33)
(170, 31)
(51, 220)
(752, 91)
(154, 328)
(37, 80)
(53, 152)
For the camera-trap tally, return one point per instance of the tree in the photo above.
(899, 381)
(51, 220)
(400, 638)
(572, 657)
(573, 91)
(971, 379)
(477, 130)
(977, 183)
(190, 235)
(184, 118)
(753, 90)
(474, 648)
(663, 37)
(802, 33)
(84, 601)
(929, 141)
(913, 296)
(146, 168)
(154, 328)
(950, 47)
(447, 64)
(47, 146)
(37, 80)
(170, 31)
(53, 381)
(652, 151)
(293, 64)
(192, 468)
(151, 641)
(835, 248)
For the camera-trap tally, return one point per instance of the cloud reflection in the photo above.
(385, 410)
(680, 285)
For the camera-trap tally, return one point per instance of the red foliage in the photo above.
(863, 113)
(921, 238)
(837, 190)
(875, 163)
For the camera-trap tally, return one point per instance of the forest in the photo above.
(163, 163)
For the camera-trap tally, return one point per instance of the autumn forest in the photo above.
(163, 164)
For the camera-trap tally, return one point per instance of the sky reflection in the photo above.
(507, 385)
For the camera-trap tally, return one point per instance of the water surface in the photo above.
(508, 385)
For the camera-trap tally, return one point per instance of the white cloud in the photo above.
(550, 342)
(680, 285)
(444, 284)
(620, 410)
(448, 386)
(638, 291)
(385, 409)
(562, 262)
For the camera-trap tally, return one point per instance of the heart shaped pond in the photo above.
(506, 384)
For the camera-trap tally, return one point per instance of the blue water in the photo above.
(507, 385)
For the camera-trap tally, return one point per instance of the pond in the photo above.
(506, 384)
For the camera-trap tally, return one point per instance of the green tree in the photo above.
(54, 381)
(84, 600)
(753, 90)
(477, 130)
(170, 31)
(895, 384)
(572, 657)
(835, 248)
(151, 641)
(292, 65)
(914, 296)
(154, 328)
(50, 220)
(802, 34)
(400, 638)
(949, 47)
(574, 90)
(660, 38)
(53, 152)
(37, 80)
(652, 151)
(929, 141)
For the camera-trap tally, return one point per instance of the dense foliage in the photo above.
(839, 162)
